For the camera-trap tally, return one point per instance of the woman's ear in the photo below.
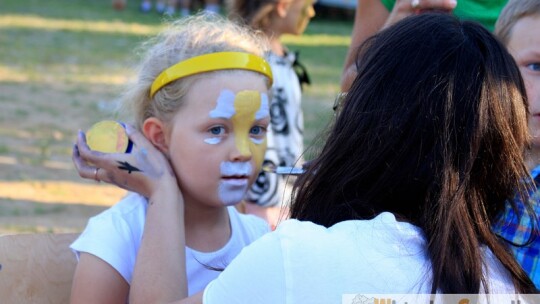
(282, 8)
(154, 130)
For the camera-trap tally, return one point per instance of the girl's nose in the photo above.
(242, 151)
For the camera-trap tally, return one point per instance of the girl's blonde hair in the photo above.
(181, 40)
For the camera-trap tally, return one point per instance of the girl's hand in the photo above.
(144, 170)
(405, 8)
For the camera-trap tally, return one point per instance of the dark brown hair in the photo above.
(433, 130)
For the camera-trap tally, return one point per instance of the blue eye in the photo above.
(217, 130)
(535, 66)
(257, 130)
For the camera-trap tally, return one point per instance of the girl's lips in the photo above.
(235, 180)
(234, 177)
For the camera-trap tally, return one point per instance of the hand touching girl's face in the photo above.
(217, 140)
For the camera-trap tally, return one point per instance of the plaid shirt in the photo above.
(516, 228)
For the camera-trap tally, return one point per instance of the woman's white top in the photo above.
(302, 262)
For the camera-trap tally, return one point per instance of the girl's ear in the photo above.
(282, 8)
(154, 130)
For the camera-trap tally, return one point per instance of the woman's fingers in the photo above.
(414, 6)
(404, 8)
(429, 5)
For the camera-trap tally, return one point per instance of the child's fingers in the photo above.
(144, 149)
(83, 168)
(135, 136)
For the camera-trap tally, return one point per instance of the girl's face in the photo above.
(524, 45)
(217, 140)
(298, 16)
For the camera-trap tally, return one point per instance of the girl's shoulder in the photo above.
(247, 225)
(132, 204)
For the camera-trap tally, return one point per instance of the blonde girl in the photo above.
(201, 100)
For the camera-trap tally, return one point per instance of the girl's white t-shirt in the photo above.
(115, 237)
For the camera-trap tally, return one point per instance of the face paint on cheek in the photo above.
(213, 140)
(250, 106)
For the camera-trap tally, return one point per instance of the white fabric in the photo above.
(285, 136)
(302, 262)
(115, 237)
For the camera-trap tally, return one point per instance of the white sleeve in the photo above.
(110, 239)
(256, 275)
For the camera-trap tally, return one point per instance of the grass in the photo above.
(80, 42)
(87, 41)
(63, 63)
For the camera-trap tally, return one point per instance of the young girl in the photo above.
(201, 100)
(275, 18)
(422, 157)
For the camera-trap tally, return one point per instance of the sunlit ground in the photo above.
(63, 65)
(61, 192)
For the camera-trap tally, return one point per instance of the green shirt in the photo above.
(483, 11)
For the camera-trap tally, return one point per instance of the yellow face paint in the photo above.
(249, 106)
(243, 109)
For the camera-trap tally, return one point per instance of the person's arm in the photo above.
(160, 269)
(95, 281)
(369, 18)
(159, 274)
(372, 16)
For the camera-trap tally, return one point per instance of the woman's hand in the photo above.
(405, 8)
(144, 170)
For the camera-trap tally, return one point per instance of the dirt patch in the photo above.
(40, 191)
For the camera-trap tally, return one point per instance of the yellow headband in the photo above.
(212, 62)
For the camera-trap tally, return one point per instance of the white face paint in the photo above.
(225, 105)
(264, 111)
(242, 109)
(225, 108)
(213, 140)
(234, 181)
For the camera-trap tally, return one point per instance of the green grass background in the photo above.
(63, 63)
(78, 41)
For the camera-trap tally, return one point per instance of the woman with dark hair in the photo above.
(423, 154)
(435, 136)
